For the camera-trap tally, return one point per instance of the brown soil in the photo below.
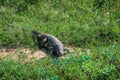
(28, 54)
(15, 53)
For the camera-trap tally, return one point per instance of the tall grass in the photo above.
(79, 23)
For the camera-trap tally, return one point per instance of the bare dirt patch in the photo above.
(21, 53)
(24, 53)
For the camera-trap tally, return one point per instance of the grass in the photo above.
(102, 63)
(83, 21)
(86, 25)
